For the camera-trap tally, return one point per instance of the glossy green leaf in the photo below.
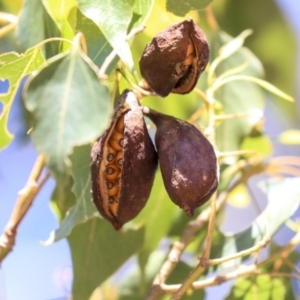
(97, 252)
(69, 107)
(113, 19)
(182, 7)
(14, 67)
(29, 34)
(271, 219)
(290, 137)
(237, 96)
(84, 209)
(263, 287)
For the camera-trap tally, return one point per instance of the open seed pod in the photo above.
(187, 160)
(175, 58)
(123, 164)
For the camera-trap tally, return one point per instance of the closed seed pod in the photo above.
(175, 58)
(187, 161)
(123, 164)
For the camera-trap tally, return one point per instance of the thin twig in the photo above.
(6, 18)
(256, 248)
(281, 169)
(285, 251)
(241, 271)
(24, 201)
(7, 29)
(235, 116)
(10, 22)
(186, 238)
(204, 260)
(281, 274)
(286, 160)
(202, 95)
(236, 153)
(291, 265)
(210, 231)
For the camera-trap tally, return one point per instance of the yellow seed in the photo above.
(111, 154)
(112, 172)
(190, 49)
(119, 159)
(113, 191)
(115, 144)
(189, 54)
(110, 185)
(116, 141)
(120, 124)
(116, 135)
(114, 208)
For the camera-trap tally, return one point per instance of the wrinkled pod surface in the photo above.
(187, 160)
(173, 61)
(123, 164)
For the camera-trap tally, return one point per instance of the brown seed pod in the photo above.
(175, 58)
(187, 161)
(123, 164)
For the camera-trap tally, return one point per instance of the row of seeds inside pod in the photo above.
(114, 163)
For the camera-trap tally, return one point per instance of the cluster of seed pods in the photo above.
(124, 159)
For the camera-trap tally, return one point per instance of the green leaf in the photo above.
(69, 107)
(263, 287)
(64, 15)
(113, 19)
(290, 137)
(182, 7)
(97, 252)
(62, 198)
(157, 217)
(270, 220)
(14, 67)
(29, 34)
(141, 11)
(261, 144)
(234, 45)
(237, 96)
(97, 45)
(84, 209)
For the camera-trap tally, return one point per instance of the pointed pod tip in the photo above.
(188, 210)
